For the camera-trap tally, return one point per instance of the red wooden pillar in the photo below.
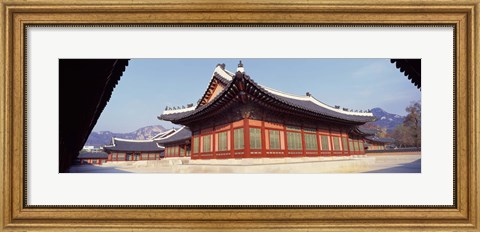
(319, 144)
(232, 147)
(246, 136)
(192, 154)
(285, 140)
(264, 144)
(348, 145)
(304, 150)
(214, 143)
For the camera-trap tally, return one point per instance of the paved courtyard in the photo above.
(374, 163)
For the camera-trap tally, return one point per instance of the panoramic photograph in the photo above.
(241, 115)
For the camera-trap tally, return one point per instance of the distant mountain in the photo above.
(102, 138)
(386, 120)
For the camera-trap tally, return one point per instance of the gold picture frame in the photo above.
(15, 15)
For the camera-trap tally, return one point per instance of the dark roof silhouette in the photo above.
(411, 68)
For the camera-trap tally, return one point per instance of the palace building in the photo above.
(92, 157)
(239, 118)
(178, 144)
(374, 143)
(133, 150)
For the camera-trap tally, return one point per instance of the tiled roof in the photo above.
(134, 145)
(304, 104)
(367, 131)
(220, 74)
(380, 140)
(164, 134)
(93, 155)
(180, 135)
(311, 105)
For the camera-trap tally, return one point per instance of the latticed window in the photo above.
(294, 141)
(360, 144)
(336, 143)
(207, 143)
(350, 145)
(182, 151)
(121, 156)
(311, 142)
(196, 145)
(356, 146)
(222, 141)
(255, 138)
(344, 143)
(238, 139)
(274, 139)
(324, 139)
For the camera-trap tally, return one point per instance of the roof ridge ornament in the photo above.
(240, 67)
(222, 65)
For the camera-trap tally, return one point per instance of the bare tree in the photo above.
(409, 133)
(413, 122)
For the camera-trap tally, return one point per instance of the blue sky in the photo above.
(148, 85)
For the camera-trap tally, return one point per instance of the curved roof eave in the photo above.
(180, 135)
(329, 112)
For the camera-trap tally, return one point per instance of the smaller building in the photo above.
(93, 157)
(374, 143)
(134, 150)
(371, 142)
(178, 144)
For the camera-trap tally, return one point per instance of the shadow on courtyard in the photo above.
(94, 169)
(412, 167)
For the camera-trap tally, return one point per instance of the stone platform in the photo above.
(386, 163)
